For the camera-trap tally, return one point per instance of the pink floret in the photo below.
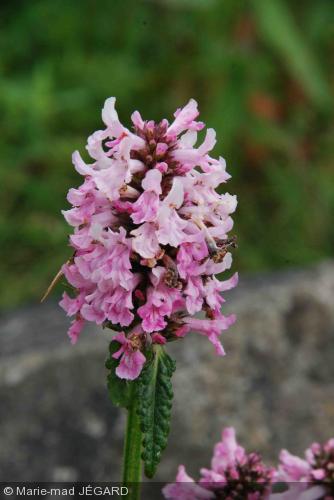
(131, 359)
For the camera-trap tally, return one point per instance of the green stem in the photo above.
(132, 467)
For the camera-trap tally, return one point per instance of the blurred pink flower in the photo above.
(314, 474)
(233, 474)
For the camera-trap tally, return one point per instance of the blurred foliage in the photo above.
(260, 70)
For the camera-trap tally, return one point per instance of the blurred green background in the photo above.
(261, 70)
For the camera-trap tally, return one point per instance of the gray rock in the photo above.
(275, 384)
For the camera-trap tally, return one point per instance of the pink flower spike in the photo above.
(149, 232)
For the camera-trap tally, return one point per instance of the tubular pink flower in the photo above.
(132, 360)
(194, 294)
(160, 302)
(118, 307)
(211, 328)
(145, 209)
(190, 256)
(145, 241)
(75, 329)
(170, 224)
(212, 289)
(149, 232)
(185, 119)
(72, 306)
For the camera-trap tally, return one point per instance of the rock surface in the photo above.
(275, 385)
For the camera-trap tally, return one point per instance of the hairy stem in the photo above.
(132, 467)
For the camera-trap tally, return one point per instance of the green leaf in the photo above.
(120, 390)
(278, 28)
(155, 394)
